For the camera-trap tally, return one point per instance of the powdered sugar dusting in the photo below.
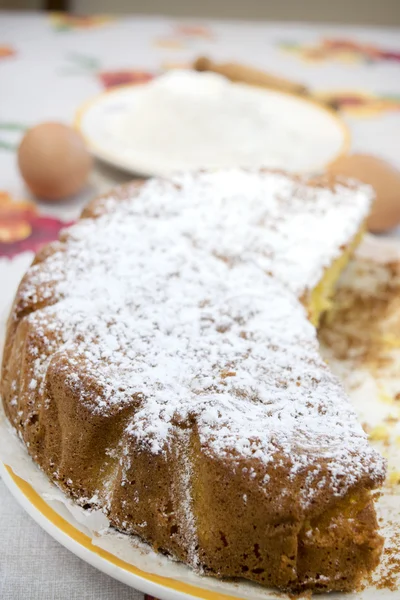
(183, 302)
(185, 509)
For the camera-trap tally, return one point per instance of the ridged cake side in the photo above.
(159, 365)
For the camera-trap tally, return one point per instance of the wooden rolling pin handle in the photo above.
(245, 74)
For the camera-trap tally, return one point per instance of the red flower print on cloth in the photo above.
(22, 228)
(80, 63)
(111, 79)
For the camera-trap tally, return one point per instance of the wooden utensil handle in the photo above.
(246, 74)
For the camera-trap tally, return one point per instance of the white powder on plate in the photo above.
(190, 120)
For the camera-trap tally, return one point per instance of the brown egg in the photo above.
(385, 180)
(54, 161)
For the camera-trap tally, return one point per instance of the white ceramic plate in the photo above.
(56, 522)
(315, 135)
(79, 544)
(164, 579)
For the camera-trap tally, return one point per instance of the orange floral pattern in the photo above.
(183, 35)
(65, 21)
(360, 104)
(341, 50)
(22, 228)
(6, 51)
(169, 43)
(194, 31)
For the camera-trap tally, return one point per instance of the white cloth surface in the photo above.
(33, 566)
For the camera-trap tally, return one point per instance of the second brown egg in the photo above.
(385, 180)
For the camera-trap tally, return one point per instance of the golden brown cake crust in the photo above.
(227, 513)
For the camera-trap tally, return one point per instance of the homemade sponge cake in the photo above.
(318, 300)
(160, 365)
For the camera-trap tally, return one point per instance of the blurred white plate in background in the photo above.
(188, 120)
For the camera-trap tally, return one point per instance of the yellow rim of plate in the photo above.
(63, 525)
(86, 106)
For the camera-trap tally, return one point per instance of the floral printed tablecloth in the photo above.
(52, 63)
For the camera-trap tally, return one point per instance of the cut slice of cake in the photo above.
(160, 365)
